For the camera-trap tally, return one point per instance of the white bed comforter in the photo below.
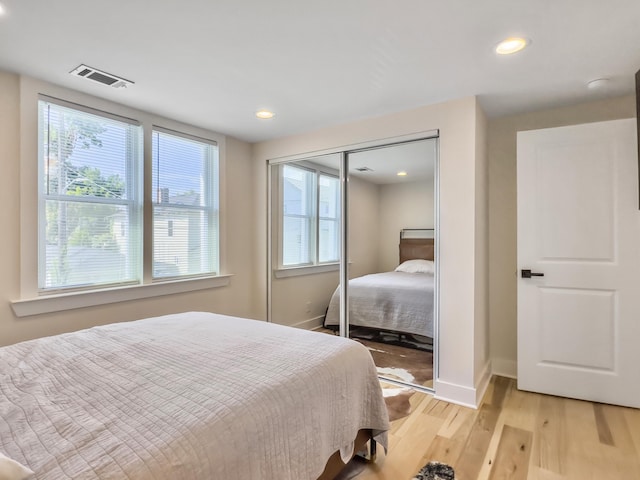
(193, 396)
(396, 301)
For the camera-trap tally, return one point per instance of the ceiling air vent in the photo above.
(99, 76)
(364, 169)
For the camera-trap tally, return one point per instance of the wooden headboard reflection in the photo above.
(416, 248)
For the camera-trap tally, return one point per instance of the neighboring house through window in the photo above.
(185, 179)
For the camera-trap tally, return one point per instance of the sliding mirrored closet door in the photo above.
(392, 248)
(304, 232)
(384, 197)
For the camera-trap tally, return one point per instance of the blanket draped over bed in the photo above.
(187, 396)
(394, 301)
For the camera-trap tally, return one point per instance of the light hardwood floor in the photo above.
(514, 435)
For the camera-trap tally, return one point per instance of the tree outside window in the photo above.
(88, 192)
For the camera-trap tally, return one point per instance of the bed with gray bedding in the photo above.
(190, 396)
(390, 301)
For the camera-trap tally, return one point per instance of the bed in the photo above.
(396, 301)
(189, 396)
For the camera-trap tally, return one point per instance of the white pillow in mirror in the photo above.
(416, 266)
(12, 470)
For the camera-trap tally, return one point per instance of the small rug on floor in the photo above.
(431, 471)
(403, 364)
(435, 471)
(416, 366)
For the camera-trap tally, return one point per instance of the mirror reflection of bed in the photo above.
(392, 312)
(402, 176)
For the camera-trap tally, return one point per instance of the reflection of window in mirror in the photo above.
(310, 219)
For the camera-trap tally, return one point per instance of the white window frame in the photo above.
(336, 220)
(313, 240)
(133, 204)
(29, 300)
(210, 207)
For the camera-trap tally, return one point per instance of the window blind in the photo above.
(185, 205)
(298, 215)
(329, 219)
(90, 209)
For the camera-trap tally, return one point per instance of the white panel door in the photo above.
(579, 226)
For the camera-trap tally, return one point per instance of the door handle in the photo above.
(529, 274)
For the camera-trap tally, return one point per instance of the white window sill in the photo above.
(69, 301)
(306, 270)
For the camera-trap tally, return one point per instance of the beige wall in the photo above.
(502, 208)
(482, 332)
(402, 205)
(9, 195)
(302, 301)
(364, 227)
(456, 122)
(235, 299)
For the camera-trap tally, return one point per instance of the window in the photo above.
(298, 213)
(89, 209)
(185, 186)
(309, 216)
(328, 218)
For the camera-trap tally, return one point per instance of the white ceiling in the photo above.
(214, 63)
(417, 159)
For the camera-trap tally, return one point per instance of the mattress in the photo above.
(393, 301)
(187, 396)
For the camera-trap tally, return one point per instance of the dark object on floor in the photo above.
(406, 340)
(392, 338)
(435, 471)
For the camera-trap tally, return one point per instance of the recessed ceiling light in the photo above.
(2, 10)
(511, 45)
(402, 174)
(265, 114)
(598, 84)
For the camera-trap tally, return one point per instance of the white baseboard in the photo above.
(483, 382)
(504, 367)
(310, 323)
(458, 394)
(462, 395)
